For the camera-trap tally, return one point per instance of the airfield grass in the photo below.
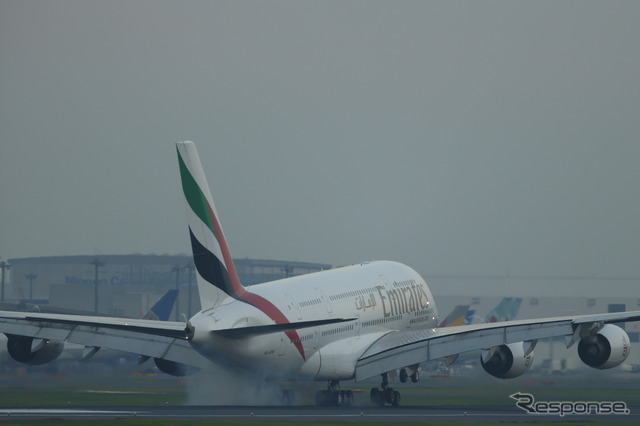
(161, 390)
(498, 393)
(156, 422)
(73, 396)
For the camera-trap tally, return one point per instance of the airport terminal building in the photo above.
(127, 285)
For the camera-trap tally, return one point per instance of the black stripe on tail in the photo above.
(210, 267)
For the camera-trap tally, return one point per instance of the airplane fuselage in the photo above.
(375, 297)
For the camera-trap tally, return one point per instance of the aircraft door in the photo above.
(282, 348)
(293, 306)
(324, 299)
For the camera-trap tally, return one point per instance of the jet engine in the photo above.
(507, 361)
(607, 349)
(175, 368)
(33, 351)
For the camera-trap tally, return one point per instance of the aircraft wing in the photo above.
(403, 348)
(156, 339)
(147, 337)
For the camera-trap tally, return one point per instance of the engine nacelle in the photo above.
(508, 361)
(21, 348)
(175, 368)
(607, 349)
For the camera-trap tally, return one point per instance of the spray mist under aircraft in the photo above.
(354, 322)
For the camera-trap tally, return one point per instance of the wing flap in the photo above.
(440, 344)
(120, 339)
(155, 339)
(59, 334)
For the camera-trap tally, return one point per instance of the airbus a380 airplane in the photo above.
(358, 321)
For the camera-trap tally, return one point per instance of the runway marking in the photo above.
(257, 414)
(63, 411)
(60, 411)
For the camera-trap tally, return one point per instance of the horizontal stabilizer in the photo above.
(275, 328)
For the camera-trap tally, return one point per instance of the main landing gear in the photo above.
(385, 395)
(333, 396)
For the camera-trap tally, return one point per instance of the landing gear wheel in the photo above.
(377, 397)
(333, 397)
(345, 398)
(403, 376)
(349, 398)
(388, 395)
(385, 395)
(395, 399)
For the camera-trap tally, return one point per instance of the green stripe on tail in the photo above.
(194, 195)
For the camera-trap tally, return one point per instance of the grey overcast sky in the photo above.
(479, 137)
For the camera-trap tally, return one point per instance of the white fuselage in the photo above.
(376, 297)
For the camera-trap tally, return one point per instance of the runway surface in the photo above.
(457, 413)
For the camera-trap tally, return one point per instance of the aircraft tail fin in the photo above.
(456, 317)
(161, 310)
(470, 315)
(215, 272)
(506, 310)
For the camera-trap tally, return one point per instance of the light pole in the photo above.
(97, 263)
(5, 267)
(189, 267)
(176, 269)
(31, 277)
(288, 270)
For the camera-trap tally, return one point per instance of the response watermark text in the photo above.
(527, 403)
